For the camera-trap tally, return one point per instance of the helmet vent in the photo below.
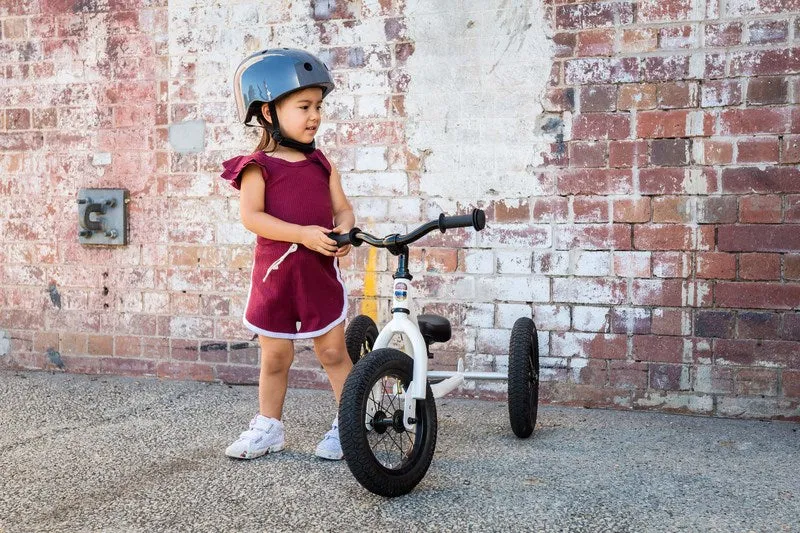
(308, 66)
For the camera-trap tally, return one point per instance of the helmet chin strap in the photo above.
(281, 139)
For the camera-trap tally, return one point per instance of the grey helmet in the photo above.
(267, 75)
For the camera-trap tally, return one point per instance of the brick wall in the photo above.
(637, 160)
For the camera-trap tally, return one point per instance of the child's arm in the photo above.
(251, 209)
(343, 217)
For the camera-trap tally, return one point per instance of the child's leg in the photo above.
(332, 353)
(276, 358)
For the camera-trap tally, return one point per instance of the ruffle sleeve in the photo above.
(232, 168)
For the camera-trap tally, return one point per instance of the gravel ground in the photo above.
(88, 453)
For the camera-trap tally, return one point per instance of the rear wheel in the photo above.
(523, 377)
(359, 337)
(385, 457)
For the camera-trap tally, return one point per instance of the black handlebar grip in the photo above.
(346, 238)
(341, 239)
(477, 220)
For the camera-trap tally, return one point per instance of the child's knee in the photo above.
(332, 356)
(276, 362)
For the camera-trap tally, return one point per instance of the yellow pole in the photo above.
(369, 305)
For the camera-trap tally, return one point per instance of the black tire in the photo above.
(386, 460)
(523, 377)
(359, 337)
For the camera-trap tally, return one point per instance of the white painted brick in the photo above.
(514, 289)
(375, 183)
(234, 233)
(479, 261)
(586, 318)
(373, 106)
(514, 262)
(552, 263)
(551, 317)
(507, 314)
(493, 341)
(371, 158)
(590, 263)
(479, 315)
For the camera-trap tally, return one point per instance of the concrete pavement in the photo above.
(89, 453)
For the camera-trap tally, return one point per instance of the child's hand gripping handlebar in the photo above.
(356, 237)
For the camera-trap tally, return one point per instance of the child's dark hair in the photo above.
(266, 135)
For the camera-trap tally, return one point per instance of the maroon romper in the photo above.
(295, 293)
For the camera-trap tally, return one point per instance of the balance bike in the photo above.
(387, 413)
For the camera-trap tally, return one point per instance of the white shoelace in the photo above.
(277, 263)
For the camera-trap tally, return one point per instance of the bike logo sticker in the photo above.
(400, 291)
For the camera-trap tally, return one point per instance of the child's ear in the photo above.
(265, 112)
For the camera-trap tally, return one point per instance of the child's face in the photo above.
(299, 114)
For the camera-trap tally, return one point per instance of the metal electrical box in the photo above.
(103, 216)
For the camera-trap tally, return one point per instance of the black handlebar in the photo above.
(396, 242)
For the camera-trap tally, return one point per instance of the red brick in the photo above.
(598, 98)
(552, 209)
(658, 348)
(716, 265)
(758, 150)
(587, 15)
(723, 34)
(627, 375)
(586, 71)
(662, 181)
(719, 324)
(559, 99)
(716, 152)
(755, 295)
(792, 213)
(636, 40)
(790, 383)
(767, 91)
(669, 152)
(593, 237)
(721, 93)
(587, 154)
(671, 210)
(758, 325)
(749, 180)
(511, 210)
(753, 121)
(670, 321)
(760, 266)
(677, 95)
(611, 181)
(767, 31)
(601, 126)
(662, 237)
(565, 44)
(666, 68)
(595, 43)
(668, 377)
(790, 149)
(626, 154)
(759, 238)
(651, 124)
(764, 62)
(637, 96)
(590, 209)
(677, 37)
(791, 267)
(717, 209)
(760, 208)
(756, 381)
(631, 210)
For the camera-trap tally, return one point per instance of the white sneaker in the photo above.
(330, 447)
(264, 436)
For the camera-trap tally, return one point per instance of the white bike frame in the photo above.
(415, 346)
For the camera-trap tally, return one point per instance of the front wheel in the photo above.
(384, 457)
(523, 377)
(359, 337)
